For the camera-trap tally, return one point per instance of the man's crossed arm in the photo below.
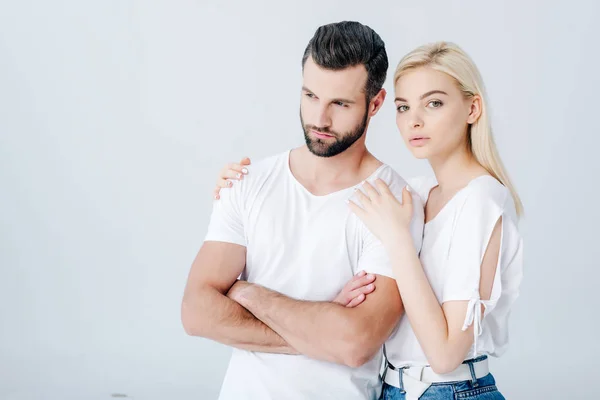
(263, 320)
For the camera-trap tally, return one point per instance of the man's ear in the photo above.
(377, 102)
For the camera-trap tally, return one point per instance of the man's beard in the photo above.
(322, 148)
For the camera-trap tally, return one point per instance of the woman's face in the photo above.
(432, 114)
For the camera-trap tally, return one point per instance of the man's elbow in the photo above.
(191, 320)
(358, 358)
(360, 349)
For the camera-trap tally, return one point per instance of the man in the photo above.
(287, 231)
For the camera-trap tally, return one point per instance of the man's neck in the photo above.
(322, 175)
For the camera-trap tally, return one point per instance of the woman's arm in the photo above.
(439, 328)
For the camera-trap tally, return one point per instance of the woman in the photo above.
(458, 292)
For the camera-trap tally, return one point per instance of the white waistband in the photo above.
(416, 380)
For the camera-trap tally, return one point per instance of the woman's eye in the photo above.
(435, 104)
(402, 108)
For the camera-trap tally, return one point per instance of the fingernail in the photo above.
(369, 286)
(229, 183)
(370, 276)
(245, 170)
(238, 175)
(361, 273)
(216, 197)
(408, 188)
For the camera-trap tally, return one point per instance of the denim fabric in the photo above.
(484, 389)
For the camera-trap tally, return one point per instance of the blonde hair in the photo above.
(452, 60)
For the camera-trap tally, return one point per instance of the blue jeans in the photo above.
(482, 389)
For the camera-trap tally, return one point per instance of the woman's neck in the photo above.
(456, 169)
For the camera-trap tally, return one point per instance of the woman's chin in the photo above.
(420, 153)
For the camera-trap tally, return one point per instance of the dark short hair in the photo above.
(348, 43)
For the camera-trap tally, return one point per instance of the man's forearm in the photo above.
(212, 315)
(320, 330)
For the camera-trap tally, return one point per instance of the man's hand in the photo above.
(207, 312)
(236, 292)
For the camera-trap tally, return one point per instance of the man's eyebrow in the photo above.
(347, 101)
(343, 101)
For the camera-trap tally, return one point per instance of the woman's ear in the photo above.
(475, 109)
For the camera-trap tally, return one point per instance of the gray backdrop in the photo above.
(116, 115)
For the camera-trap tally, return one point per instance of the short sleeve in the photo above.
(226, 221)
(473, 225)
(374, 257)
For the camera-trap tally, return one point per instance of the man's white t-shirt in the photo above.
(306, 247)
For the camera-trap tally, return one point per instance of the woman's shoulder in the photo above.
(488, 193)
